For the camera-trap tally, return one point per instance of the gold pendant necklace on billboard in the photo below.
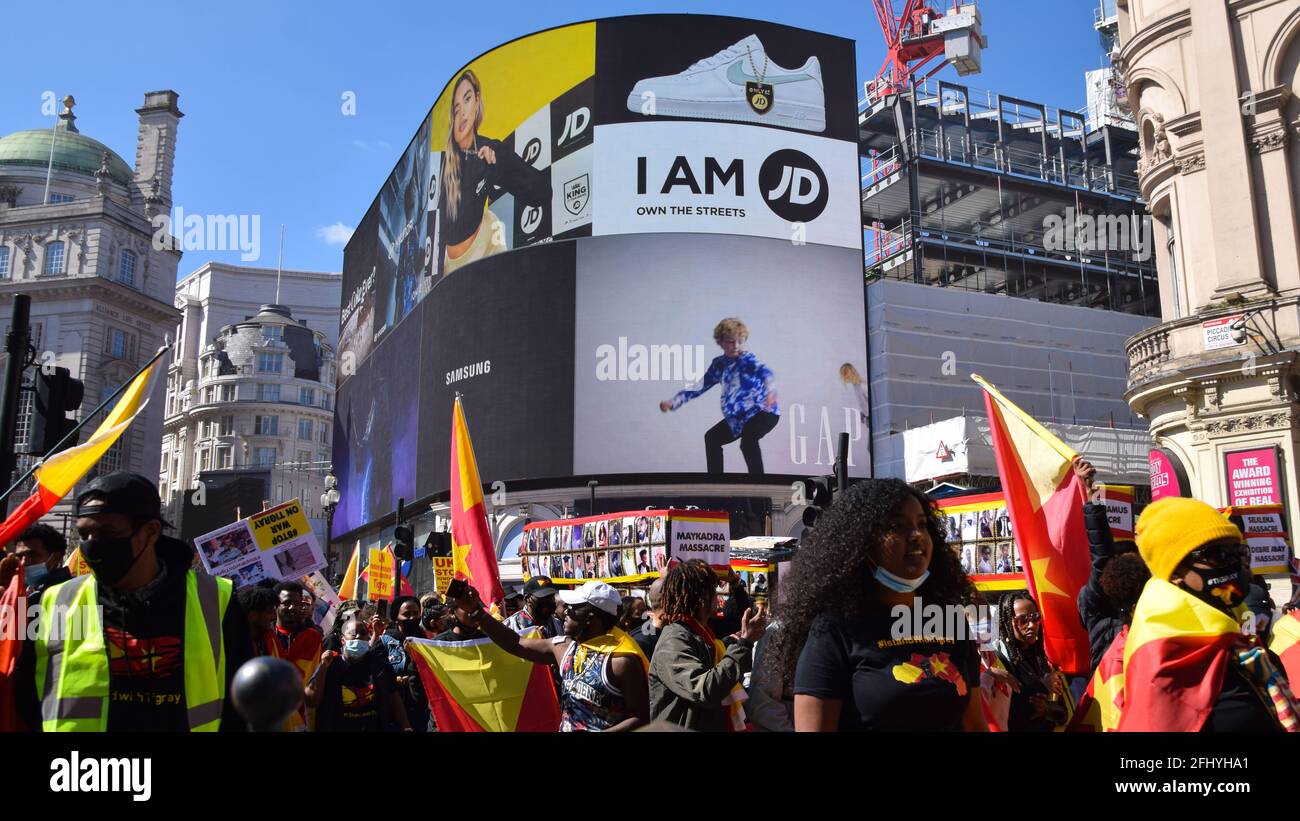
(758, 93)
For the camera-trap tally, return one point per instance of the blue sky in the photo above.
(260, 84)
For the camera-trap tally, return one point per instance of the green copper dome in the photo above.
(73, 151)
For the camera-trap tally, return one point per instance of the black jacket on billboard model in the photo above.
(480, 181)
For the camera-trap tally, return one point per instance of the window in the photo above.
(126, 268)
(266, 426)
(304, 457)
(227, 393)
(224, 459)
(324, 435)
(325, 400)
(274, 333)
(268, 393)
(114, 457)
(204, 457)
(265, 456)
(120, 345)
(306, 396)
(203, 430)
(269, 362)
(209, 395)
(54, 258)
(4, 262)
(304, 429)
(55, 198)
(227, 427)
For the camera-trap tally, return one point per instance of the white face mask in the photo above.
(897, 583)
(355, 649)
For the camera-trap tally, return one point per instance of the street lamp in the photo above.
(329, 500)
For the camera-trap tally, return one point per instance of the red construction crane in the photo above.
(920, 33)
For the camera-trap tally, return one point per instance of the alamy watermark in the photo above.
(1081, 233)
(67, 621)
(950, 622)
(211, 232)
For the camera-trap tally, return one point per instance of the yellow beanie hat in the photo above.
(1173, 527)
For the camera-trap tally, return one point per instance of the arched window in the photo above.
(511, 542)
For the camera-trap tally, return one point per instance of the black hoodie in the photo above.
(144, 634)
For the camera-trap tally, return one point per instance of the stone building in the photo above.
(76, 234)
(250, 402)
(1212, 85)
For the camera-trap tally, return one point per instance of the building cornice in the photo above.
(96, 288)
(1154, 34)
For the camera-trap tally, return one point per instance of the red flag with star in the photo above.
(471, 539)
(1045, 504)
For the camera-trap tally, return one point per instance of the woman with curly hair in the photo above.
(854, 664)
(695, 680)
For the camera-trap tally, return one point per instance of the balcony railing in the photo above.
(1147, 352)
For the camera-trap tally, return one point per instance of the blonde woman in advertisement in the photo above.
(853, 381)
(478, 168)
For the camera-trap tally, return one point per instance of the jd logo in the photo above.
(576, 192)
(574, 125)
(530, 219)
(793, 186)
(533, 150)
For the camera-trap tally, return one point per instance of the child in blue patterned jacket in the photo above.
(749, 406)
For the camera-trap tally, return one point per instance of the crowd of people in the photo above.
(681, 656)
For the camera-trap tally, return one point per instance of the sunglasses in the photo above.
(1217, 554)
(1028, 618)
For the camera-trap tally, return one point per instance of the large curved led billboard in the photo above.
(633, 245)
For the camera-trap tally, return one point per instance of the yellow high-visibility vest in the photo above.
(72, 674)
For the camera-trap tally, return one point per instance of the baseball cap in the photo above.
(598, 594)
(539, 586)
(515, 593)
(121, 492)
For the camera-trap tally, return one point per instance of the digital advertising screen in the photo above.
(633, 246)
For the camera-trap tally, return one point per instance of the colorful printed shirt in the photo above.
(522, 621)
(589, 701)
(746, 383)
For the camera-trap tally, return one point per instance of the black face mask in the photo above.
(110, 559)
(409, 627)
(1225, 585)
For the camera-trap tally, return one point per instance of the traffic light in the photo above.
(818, 493)
(57, 394)
(404, 543)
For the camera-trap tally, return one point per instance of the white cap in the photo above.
(597, 594)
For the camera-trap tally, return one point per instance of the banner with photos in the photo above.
(624, 547)
(979, 529)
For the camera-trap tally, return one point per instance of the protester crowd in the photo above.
(1167, 609)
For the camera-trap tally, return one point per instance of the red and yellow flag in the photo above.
(471, 539)
(1045, 502)
(475, 687)
(12, 632)
(1103, 701)
(1179, 648)
(348, 589)
(1286, 645)
(61, 472)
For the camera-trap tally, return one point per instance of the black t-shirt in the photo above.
(452, 635)
(886, 684)
(354, 693)
(144, 635)
(481, 181)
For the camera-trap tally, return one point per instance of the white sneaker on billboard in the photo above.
(739, 84)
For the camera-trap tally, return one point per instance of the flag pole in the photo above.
(49, 168)
(72, 434)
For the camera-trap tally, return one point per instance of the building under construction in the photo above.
(1004, 237)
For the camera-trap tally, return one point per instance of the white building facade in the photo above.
(250, 391)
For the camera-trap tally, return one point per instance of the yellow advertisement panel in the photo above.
(280, 524)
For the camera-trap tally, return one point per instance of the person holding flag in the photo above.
(162, 655)
(1188, 665)
(603, 671)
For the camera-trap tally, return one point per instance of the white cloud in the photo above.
(336, 234)
(372, 145)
